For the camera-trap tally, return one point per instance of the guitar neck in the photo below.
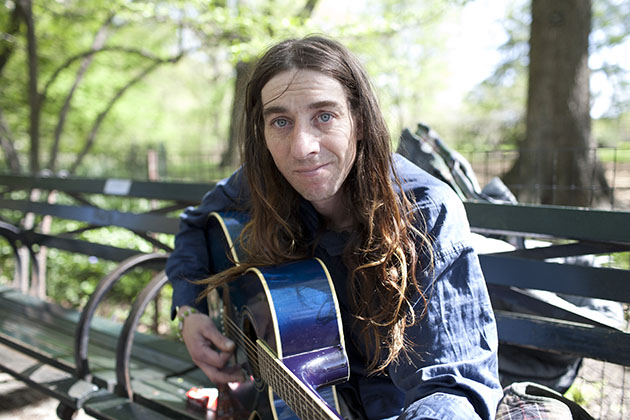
(303, 400)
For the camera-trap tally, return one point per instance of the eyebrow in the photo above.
(315, 105)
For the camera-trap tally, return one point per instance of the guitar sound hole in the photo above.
(252, 356)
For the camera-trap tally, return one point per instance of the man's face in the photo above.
(311, 134)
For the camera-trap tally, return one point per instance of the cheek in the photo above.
(344, 144)
(270, 144)
(277, 155)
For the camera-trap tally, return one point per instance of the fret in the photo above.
(302, 400)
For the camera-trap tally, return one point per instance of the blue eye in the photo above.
(325, 117)
(280, 122)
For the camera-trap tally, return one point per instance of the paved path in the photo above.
(17, 401)
(604, 388)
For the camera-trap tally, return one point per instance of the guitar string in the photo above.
(252, 354)
(241, 339)
(307, 401)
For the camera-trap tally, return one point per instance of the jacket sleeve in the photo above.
(452, 371)
(190, 260)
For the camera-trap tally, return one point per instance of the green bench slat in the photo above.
(554, 221)
(52, 381)
(108, 252)
(597, 282)
(72, 392)
(113, 407)
(22, 318)
(96, 216)
(564, 337)
(178, 191)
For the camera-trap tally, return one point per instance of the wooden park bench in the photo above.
(543, 321)
(112, 371)
(83, 360)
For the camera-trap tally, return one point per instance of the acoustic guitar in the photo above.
(286, 324)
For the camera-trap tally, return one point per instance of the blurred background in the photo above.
(534, 92)
(148, 89)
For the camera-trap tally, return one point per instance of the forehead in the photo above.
(302, 85)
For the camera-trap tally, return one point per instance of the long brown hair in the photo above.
(382, 254)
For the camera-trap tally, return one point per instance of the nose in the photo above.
(305, 141)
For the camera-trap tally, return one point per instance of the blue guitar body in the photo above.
(286, 323)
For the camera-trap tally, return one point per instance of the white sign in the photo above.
(117, 186)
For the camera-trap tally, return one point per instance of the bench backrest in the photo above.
(166, 198)
(569, 232)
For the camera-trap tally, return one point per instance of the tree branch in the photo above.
(91, 52)
(99, 41)
(307, 10)
(12, 29)
(101, 117)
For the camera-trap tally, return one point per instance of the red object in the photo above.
(203, 398)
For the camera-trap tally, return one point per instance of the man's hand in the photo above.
(209, 349)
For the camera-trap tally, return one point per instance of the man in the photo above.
(319, 179)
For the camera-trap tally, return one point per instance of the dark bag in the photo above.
(530, 401)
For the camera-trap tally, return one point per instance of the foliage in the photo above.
(73, 277)
(609, 42)
(76, 277)
(71, 102)
(182, 105)
(407, 73)
(7, 263)
(612, 132)
(495, 110)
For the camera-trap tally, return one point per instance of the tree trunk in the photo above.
(557, 161)
(33, 93)
(230, 155)
(6, 142)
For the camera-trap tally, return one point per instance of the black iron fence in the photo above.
(615, 162)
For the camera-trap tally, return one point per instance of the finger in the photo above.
(204, 353)
(223, 376)
(212, 334)
(199, 331)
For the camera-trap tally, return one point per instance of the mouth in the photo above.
(311, 171)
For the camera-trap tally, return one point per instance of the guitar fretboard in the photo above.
(303, 401)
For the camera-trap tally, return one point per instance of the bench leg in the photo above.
(125, 340)
(65, 412)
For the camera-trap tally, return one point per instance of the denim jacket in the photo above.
(451, 372)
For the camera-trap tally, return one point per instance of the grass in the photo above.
(584, 393)
(619, 154)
